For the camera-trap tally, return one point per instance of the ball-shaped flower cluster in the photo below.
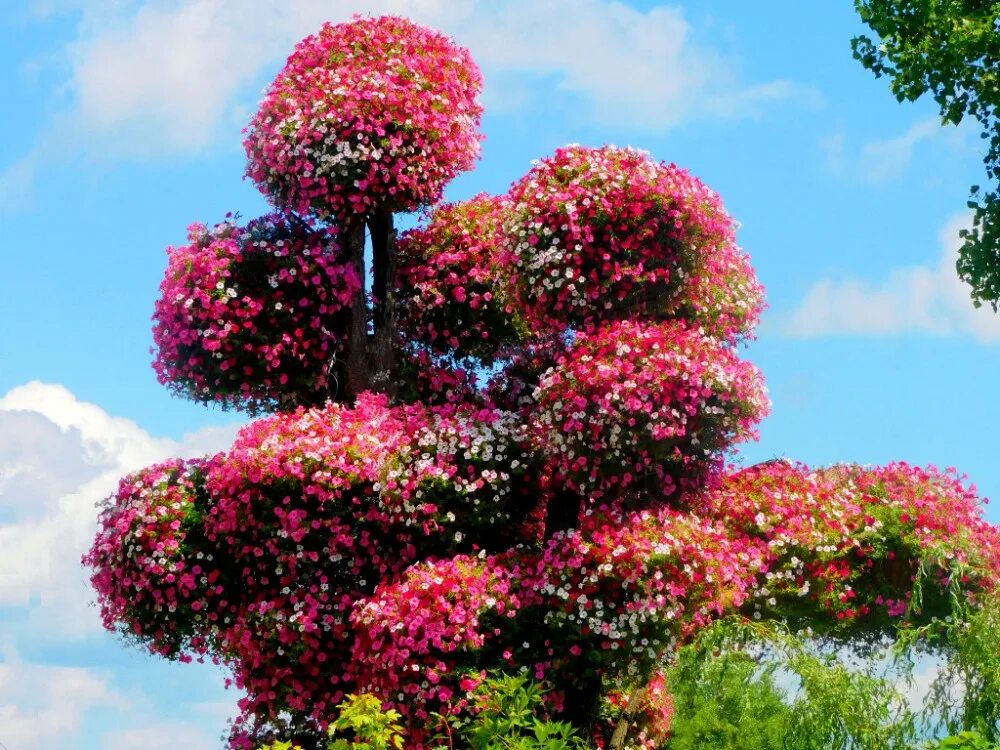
(601, 233)
(252, 316)
(154, 574)
(645, 407)
(373, 115)
(449, 294)
(310, 511)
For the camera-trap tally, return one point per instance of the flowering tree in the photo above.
(505, 449)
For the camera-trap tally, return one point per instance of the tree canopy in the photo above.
(503, 450)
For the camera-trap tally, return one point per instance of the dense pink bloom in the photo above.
(846, 543)
(376, 114)
(451, 296)
(628, 586)
(645, 406)
(417, 638)
(304, 517)
(252, 316)
(599, 233)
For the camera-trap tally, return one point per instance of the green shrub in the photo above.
(509, 714)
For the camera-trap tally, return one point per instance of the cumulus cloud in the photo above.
(58, 457)
(914, 299)
(170, 75)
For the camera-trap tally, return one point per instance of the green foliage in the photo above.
(509, 714)
(726, 703)
(964, 741)
(950, 49)
(757, 687)
(964, 696)
(367, 725)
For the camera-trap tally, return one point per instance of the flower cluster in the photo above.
(376, 114)
(513, 387)
(417, 638)
(849, 544)
(153, 573)
(449, 295)
(637, 406)
(420, 377)
(252, 316)
(603, 233)
(310, 511)
(624, 588)
(465, 472)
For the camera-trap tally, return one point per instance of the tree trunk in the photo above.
(357, 375)
(583, 702)
(626, 719)
(383, 301)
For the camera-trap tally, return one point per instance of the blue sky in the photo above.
(122, 124)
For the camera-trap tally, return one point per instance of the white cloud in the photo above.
(915, 299)
(58, 457)
(628, 67)
(44, 707)
(888, 159)
(171, 75)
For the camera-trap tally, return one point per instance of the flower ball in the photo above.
(449, 296)
(376, 114)
(252, 316)
(596, 234)
(645, 408)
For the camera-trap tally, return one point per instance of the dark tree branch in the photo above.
(357, 373)
(383, 299)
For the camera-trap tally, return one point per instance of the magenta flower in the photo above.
(636, 406)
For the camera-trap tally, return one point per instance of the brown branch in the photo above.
(628, 716)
